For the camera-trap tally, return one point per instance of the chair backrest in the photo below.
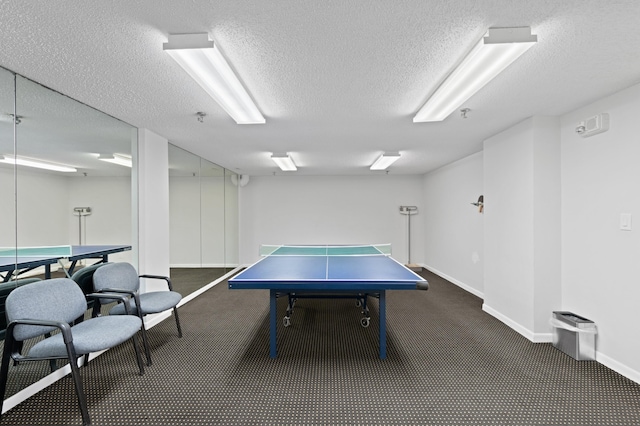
(120, 275)
(56, 299)
(5, 289)
(84, 277)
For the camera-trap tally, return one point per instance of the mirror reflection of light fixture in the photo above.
(492, 54)
(120, 159)
(39, 164)
(9, 118)
(385, 160)
(284, 161)
(241, 180)
(202, 60)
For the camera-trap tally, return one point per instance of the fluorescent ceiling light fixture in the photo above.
(120, 159)
(385, 160)
(284, 161)
(9, 118)
(39, 164)
(202, 60)
(487, 59)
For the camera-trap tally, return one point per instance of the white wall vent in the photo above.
(593, 125)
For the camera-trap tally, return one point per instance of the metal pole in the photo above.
(409, 230)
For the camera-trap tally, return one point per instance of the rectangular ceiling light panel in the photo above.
(39, 164)
(202, 60)
(120, 159)
(285, 162)
(492, 54)
(385, 160)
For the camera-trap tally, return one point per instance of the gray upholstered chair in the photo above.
(41, 308)
(84, 278)
(5, 289)
(122, 278)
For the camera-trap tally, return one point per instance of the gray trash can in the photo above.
(574, 335)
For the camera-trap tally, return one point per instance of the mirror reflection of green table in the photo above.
(18, 261)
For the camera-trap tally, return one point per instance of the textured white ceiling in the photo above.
(338, 81)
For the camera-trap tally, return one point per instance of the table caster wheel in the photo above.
(286, 321)
(364, 322)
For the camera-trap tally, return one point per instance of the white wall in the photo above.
(330, 210)
(45, 210)
(508, 221)
(522, 226)
(153, 207)
(453, 238)
(199, 222)
(231, 221)
(185, 235)
(42, 209)
(525, 247)
(7, 212)
(110, 218)
(601, 263)
(547, 223)
(212, 225)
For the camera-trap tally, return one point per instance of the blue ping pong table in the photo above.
(15, 262)
(358, 272)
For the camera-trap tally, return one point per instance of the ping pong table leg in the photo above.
(383, 324)
(273, 313)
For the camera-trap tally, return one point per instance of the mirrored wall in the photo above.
(203, 220)
(60, 186)
(67, 179)
(86, 199)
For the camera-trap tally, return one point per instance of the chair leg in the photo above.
(77, 382)
(18, 346)
(4, 368)
(52, 362)
(145, 342)
(175, 314)
(138, 356)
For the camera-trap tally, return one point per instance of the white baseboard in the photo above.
(608, 362)
(508, 321)
(202, 265)
(185, 265)
(618, 367)
(530, 335)
(603, 359)
(460, 284)
(543, 337)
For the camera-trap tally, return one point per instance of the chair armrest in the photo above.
(115, 290)
(115, 295)
(159, 277)
(64, 327)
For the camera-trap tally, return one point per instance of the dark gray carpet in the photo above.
(184, 280)
(448, 363)
(187, 280)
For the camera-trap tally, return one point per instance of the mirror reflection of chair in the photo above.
(41, 308)
(122, 278)
(84, 278)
